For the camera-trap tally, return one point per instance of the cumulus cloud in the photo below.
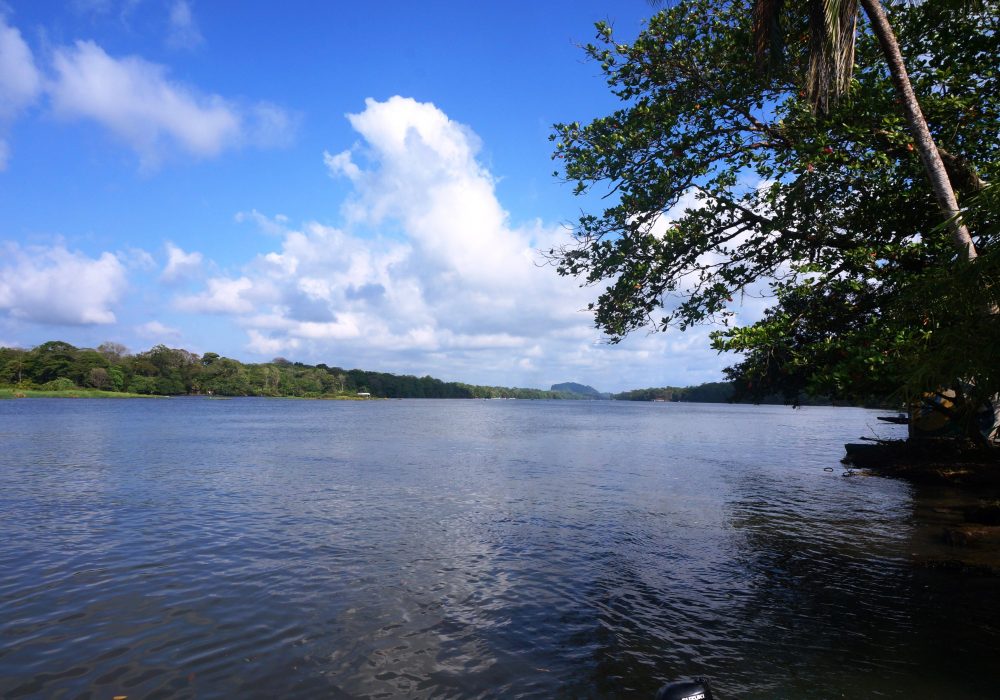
(156, 331)
(180, 264)
(223, 296)
(138, 102)
(20, 81)
(56, 286)
(135, 100)
(424, 174)
(182, 28)
(428, 273)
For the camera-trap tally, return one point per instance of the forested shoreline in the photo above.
(57, 366)
(60, 366)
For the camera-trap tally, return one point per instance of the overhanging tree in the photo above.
(832, 36)
(831, 205)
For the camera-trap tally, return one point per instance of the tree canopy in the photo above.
(57, 365)
(723, 181)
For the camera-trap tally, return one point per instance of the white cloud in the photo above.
(223, 296)
(429, 275)
(182, 30)
(263, 345)
(154, 115)
(425, 176)
(20, 81)
(342, 164)
(452, 287)
(180, 264)
(57, 286)
(156, 331)
(136, 101)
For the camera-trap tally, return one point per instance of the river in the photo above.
(517, 549)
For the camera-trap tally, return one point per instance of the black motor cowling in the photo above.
(695, 689)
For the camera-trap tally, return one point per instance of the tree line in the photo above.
(164, 371)
(729, 392)
(710, 392)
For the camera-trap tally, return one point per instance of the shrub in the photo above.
(60, 384)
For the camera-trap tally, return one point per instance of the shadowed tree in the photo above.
(833, 34)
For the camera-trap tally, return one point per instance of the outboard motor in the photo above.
(695, 689)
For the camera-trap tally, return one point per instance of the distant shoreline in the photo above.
(9, 393)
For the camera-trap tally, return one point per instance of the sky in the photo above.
(360, 184)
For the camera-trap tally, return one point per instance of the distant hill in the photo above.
(580, 389)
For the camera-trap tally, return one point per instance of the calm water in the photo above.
(256, 548)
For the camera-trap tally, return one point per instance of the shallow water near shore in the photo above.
(260, 548)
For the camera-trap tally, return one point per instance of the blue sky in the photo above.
(364, 185)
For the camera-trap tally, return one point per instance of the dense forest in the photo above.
(57, 365)
(163, 371)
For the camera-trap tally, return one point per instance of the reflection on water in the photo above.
(461, 549)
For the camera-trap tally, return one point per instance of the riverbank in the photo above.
(9, 393)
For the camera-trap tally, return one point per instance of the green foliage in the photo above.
(60, 384)
(167, 371)
(116, 379)
(710, 392)
(831, 212)
(662, 393)
(853, 341)
(74, 393)
(142, 385)
(51, 360)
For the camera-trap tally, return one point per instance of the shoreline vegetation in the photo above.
(9, 392)
(57, 369)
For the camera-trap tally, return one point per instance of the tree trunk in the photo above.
(940, 184)
(944, 192)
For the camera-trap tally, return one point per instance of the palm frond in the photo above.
(833, 31)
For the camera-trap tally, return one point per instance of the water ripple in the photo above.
(431, 549)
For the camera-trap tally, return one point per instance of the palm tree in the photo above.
(833, 32)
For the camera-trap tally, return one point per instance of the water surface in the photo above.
(267, 548)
